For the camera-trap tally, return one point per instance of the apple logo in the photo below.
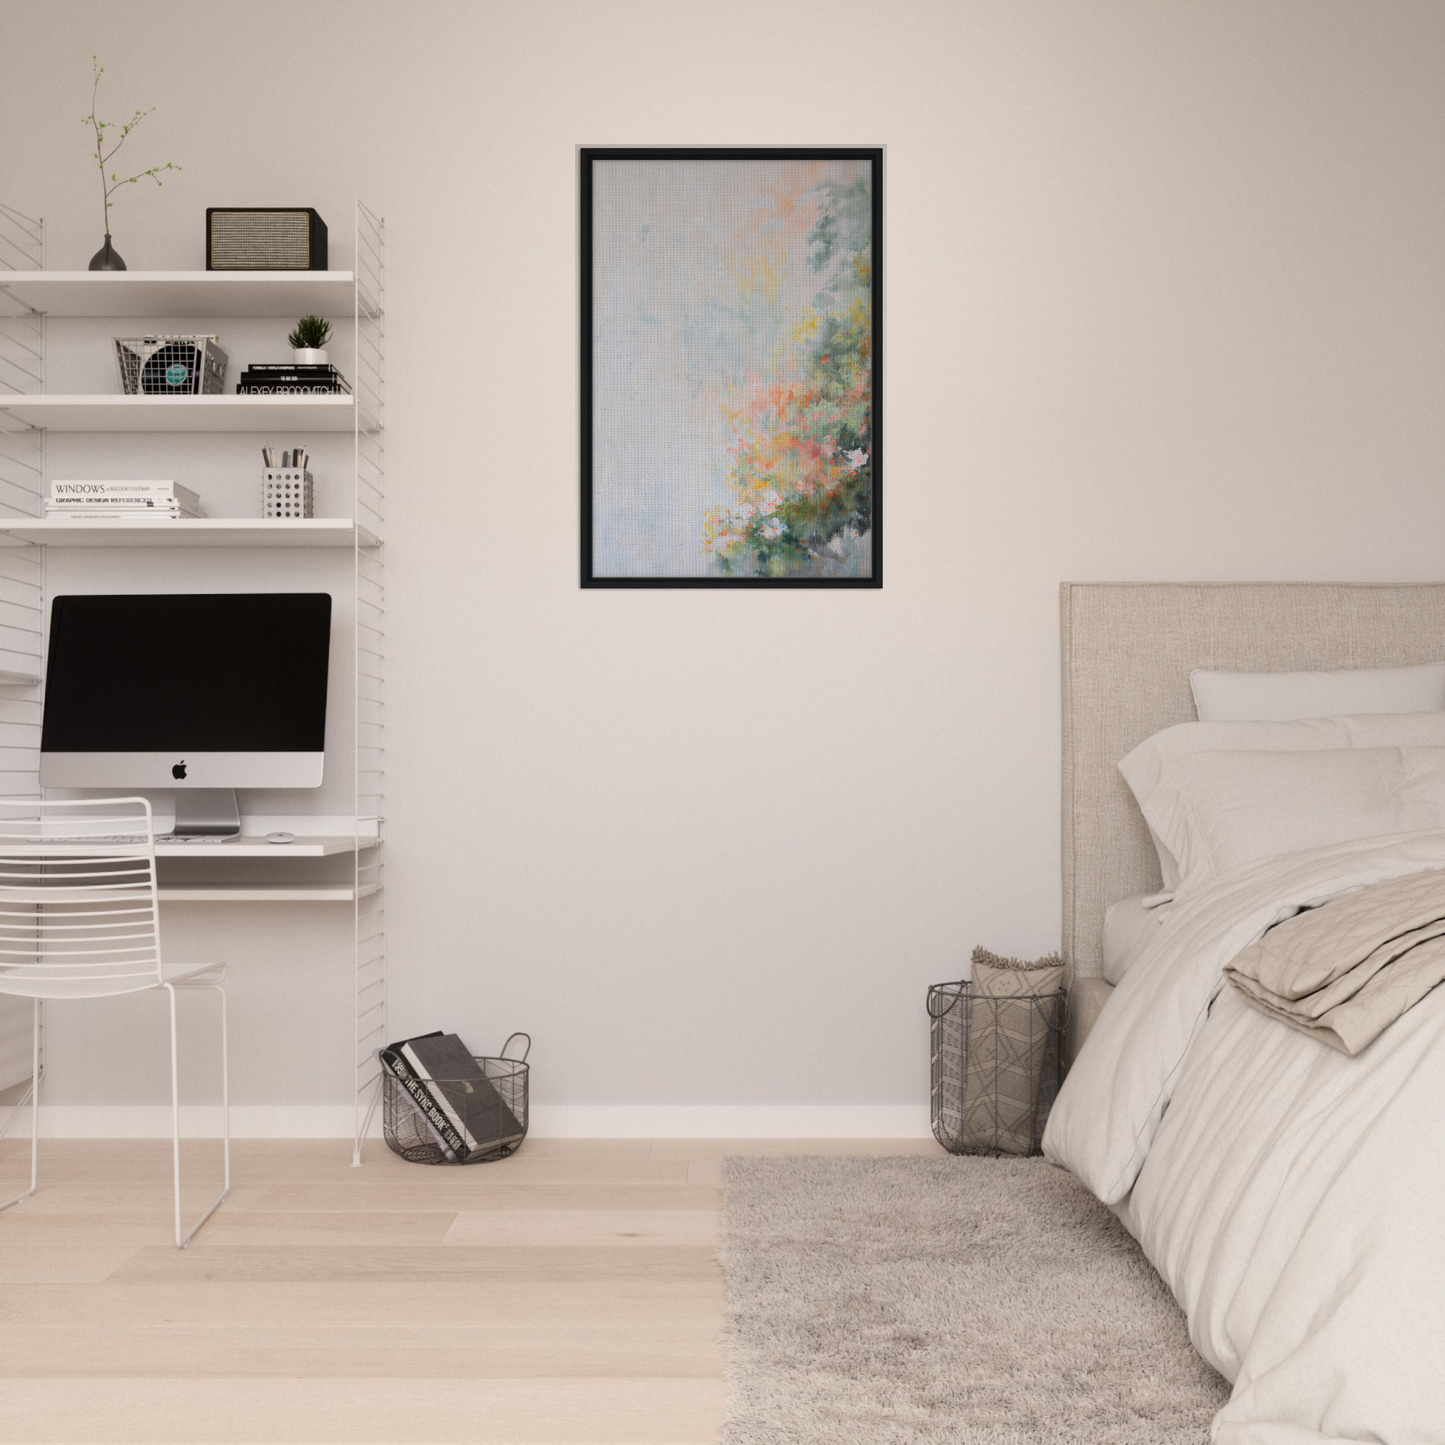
(179, 771)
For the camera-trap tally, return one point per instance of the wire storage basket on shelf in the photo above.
(997, 1064)
(492, 1127)
(171, 365)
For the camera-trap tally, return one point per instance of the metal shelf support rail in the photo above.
(22, 585)
(368, 380)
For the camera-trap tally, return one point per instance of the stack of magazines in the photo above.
(90, 500)
(288, 379)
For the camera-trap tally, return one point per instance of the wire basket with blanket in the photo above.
(997, 1054)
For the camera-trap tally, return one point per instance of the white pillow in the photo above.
(1130, 926)
(1145, 768)
(1217, 811)
(1283, 696)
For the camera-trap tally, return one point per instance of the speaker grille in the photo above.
(260, 241)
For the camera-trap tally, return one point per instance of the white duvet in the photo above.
(1293, 1198)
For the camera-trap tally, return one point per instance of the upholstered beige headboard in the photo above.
(1128, 648)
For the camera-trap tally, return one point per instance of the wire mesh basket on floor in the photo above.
(997, 1067)
(409, 1133)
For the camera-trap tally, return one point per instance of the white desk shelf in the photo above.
(30, 297)
(186, 532)
(261, 892)
(285, 294)
(247, 847)
(101, 412)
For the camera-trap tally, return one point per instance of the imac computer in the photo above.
(199, 693)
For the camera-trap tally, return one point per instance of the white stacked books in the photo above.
(90, 500)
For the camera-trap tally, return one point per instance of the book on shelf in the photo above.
(290, 389)
(120, 508)
(290, 386)
(104, 495)
(111, 514)
(121, 502)
(281, 378)
(294, 368)
(460, 1104)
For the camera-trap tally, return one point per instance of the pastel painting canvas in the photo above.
(729, 393)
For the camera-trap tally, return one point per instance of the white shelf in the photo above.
(182, 413)
(252, 847)
(185, 532)
(259, 892)
(287, 294)
(18, 679)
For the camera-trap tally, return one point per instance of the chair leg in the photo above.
(34, 1093)
(183, 1240)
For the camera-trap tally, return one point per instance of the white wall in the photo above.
(1164, 300)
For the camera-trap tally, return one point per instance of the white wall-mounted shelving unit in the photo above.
(29, 295)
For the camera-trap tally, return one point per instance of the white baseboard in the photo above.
(549, 1121)
(731, 1121)
(198, 1121)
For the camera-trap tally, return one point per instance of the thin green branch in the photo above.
(110, 183)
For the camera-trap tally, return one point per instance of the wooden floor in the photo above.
(566, 1296)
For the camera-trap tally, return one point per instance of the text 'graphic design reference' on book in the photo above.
(92, 499)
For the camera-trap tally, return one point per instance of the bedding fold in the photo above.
(1347, 970)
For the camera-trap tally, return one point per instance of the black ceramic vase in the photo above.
(107, 258)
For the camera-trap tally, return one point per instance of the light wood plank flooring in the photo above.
(566, 1296)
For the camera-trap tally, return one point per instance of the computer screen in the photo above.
(205, 690)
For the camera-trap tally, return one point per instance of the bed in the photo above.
(1293, 1198)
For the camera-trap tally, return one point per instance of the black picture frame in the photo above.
(591, 154)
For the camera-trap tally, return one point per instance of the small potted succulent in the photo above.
(308, 340)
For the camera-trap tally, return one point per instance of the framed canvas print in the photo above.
(731, 367)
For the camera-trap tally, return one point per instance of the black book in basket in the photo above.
(425, 1107)
(456, 1081)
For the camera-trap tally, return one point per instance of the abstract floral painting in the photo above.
(730, 368)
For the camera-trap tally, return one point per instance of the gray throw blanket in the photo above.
(1344, 972)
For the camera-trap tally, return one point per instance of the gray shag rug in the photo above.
(973, 1301)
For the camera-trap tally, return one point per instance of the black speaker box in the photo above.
(265, 238)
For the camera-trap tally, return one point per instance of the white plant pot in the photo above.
(309, 356)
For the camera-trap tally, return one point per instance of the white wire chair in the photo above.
(79, 918)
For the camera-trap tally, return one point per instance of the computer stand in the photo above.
(207, 813)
